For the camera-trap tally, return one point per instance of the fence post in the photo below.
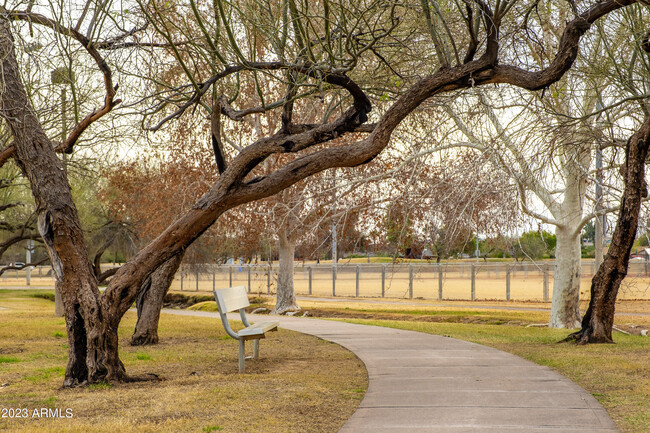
(310, 276)
(197, 279)
(507, 282)
(357, 284)
(333, 279)
(410, 281)
(230, 275)
(181, 278)
(214, 279)
(440, 282)
(593, 268)
(545, 293)
(249, 277)
(268, 279)
(473, 270)
(383, 280)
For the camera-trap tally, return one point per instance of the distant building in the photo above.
(646, 254)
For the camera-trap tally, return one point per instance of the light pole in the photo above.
(61, 76)
(599, 226)
(28, 260)
(334, 240)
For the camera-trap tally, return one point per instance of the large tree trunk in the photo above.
(565, 308)
(285, 296)
(92, 330)
(150, 300)
(565, 305)
(598, 321)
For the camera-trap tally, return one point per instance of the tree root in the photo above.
(147, 377)
(144, 340)
(586, 336)
(284, 310)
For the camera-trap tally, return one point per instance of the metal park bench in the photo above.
(235, 298)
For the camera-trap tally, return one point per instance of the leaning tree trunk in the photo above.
(92, 330)
(150, 300)
(598, 321)
(565, 305)
(285, 296)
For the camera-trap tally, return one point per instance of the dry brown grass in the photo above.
(301, 383)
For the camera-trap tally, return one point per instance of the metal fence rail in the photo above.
(463, 281)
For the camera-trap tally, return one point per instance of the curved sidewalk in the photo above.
(428, 383)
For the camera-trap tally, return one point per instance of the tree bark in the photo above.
(598, 321)
(150, 300)
(92, 329)
(565, 305)
(285, 295)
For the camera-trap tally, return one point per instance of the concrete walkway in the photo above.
(427, 383)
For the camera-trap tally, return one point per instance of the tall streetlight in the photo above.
(28, 260)
(334, 240)
(601, 220)
(63, 77)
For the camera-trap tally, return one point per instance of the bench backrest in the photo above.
(231, 299)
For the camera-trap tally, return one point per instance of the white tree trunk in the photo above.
(565, 311)
(285, 296)
(565, 306)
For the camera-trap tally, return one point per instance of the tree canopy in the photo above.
(339, 78)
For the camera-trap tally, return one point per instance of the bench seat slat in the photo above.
(258, 328)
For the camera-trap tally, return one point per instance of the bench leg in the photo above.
(256, 349)
(241, 356)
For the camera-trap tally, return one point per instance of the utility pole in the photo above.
(28, 260)
(600, 219)
(600, 222)
(334, 241)
(62, 76)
